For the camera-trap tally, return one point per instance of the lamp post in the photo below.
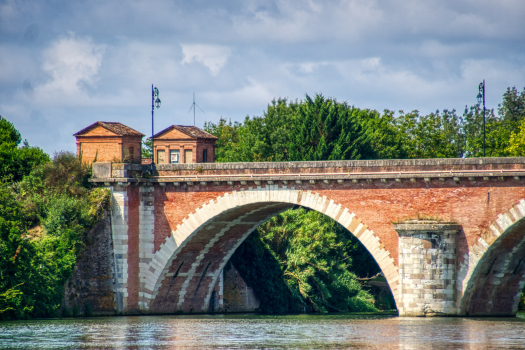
(154, 103)
(481, 98)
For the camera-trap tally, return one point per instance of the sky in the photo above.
(67, 64)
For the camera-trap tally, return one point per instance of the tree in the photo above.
(315, 253)
(317, 128)
(228, 139)
(516, 144)
(16, 162)
(45, 207)
(328, 130)
(42, 221)
(513, 106)
(147, 147)
(437, 135)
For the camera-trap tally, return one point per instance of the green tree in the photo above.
(437, 135)
(497, 133)
(42, 222)
(15, 161)
(513, 106)
(516, 143)
(329, 130)
(260, 269)
(228, 139)
(315, 253)
(317, 128)
(147, 146)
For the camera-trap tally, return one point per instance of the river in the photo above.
(265, 332)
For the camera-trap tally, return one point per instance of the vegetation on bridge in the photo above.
(303, 243)
(45, 208)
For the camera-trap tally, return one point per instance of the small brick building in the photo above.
(109, 141)
(184, 144)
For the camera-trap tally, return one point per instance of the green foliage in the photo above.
(521, 305)
(16, 162)
(513, 106)
(315, 253)
(328, 131)
(147, 146)
(317, 128)
(8, 298)
(228, 140)
(42, 221)
(303, 260)
(437, 135)
(497, 133)
(261, 270)
(516, 145)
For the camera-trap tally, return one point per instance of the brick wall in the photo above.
(103, 151)
(109, 149)
(196, 146)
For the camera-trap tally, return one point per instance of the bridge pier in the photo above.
(119, 230)
(427, 268)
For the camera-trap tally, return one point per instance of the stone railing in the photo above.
(458, 169)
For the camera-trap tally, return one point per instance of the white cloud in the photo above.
(72, 64)
(396, 54)
(212, 56)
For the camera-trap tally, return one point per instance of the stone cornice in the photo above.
(471, 169)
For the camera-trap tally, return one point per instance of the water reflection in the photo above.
(268, 332)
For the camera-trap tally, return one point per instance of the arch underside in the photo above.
(184, 272)
(497, 280)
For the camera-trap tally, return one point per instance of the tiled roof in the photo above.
(189, 130)
(117, 128)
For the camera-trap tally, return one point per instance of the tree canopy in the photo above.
(45, 207)
(15, 161)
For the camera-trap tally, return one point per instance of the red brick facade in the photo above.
(180, 144)
(109, 142)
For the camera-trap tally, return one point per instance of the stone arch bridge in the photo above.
(448, 234)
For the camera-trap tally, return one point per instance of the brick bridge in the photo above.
(448, 234)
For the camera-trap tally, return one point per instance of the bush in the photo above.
(43, 219)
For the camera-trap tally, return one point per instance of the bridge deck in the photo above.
(471, 169)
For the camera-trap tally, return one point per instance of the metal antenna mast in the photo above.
(193, 105)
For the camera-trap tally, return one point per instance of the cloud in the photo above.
(72, 65)
(212, 56)
(237, 55)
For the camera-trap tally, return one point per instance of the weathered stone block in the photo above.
(423, 247)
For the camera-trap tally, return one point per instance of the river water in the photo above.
(265, 332)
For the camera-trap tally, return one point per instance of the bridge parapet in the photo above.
(457, 169)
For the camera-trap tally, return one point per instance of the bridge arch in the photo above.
(183, 272)
(491, 278)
